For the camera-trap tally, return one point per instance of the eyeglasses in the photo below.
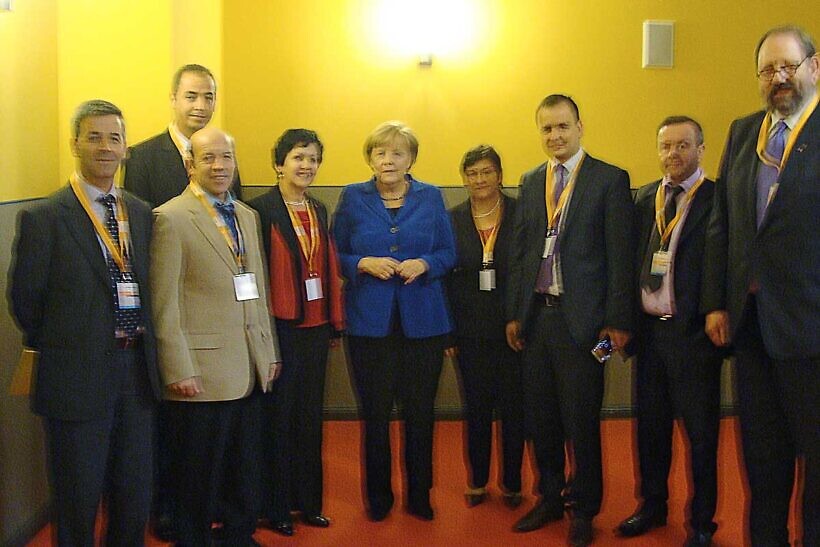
(474, 174)
(768, 73)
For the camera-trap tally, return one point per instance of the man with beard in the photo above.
(763, 282)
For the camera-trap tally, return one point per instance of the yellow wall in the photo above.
(28, 99)
(317, 64)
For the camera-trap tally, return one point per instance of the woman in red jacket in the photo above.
(306, 302)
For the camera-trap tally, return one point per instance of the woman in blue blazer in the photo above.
(395, 245)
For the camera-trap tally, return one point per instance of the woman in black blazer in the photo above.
(490, 371)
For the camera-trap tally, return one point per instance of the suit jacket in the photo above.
(202, 330)
(783, 256)
(155, 171)
(62, 299)
(275, 221)
(596, 250)
(421, 229)
(477, 313)
(689, 263)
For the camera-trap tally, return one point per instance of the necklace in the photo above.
(398, 198)
(491, 211)
(296, 203)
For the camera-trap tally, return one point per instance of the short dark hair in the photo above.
(556, 99)
(293, 138)
(199, 69)
(480, 152)
(675, 120)
(805, 39)
(93, 108)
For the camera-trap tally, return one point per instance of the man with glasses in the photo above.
(762, 282)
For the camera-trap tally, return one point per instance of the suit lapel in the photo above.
(697, 211)
(748, 164)
(372, 200)
(582, 182)
(82, 230)
(205, 224)
(540, 187)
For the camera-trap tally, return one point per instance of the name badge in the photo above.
(660, 263)
(128, 295)
(486, 280)
(244, 285)
(549, 245)
(313, 288)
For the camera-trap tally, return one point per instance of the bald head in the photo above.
(213, 161)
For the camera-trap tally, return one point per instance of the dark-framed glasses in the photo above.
(767, 74)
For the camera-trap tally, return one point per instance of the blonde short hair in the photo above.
(386, 133)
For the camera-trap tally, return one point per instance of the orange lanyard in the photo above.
(184, 151)
(763, 136)
(660, 203)
(488, 242)
(238, 249)
(120, 253)
(554, 209)
(308, 247)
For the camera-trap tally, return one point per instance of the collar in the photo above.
(571, 163)
(172, 128)
(92, 191)
(686, 184)
(791, 120)
(213, 200)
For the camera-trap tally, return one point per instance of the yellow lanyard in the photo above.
(763, 136)
(660, 218)
(488, 243)
(184, 151)
(238, 249)
(122, 253)
(554, 209)
(308, 247)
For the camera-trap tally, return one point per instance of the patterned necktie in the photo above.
(767, 175)
(649, 281)
(126, 321)
(545, 278)
(228, 213)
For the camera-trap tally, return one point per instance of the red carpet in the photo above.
(490, 523)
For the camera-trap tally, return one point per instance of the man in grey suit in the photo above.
(571, 285)
(79, 290)
(155, 169)
(763, 282)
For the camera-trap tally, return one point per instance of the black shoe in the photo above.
(164, 528)
(475, 499)
(378, 513)
(421, 509)
(318, 520)
(282, 527)
(699, 539)
(641, 522)
(540, 515)
(512, 499)
(580, 532)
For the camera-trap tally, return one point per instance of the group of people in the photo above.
(225, 312)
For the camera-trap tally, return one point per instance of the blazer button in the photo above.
(394, 229)
(394, 248)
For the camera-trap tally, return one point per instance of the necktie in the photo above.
(767, 175)
(545, 277)
(649, 281)
(228, 213)
(126, 321)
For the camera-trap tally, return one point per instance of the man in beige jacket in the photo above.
(214, 342)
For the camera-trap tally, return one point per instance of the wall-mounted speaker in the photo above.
(658, 44)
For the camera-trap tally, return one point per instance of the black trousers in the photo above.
(292, 424)
(217, 467)
(779, 421)
(109, 456)
(679, 371)
(406, 370)
(563, 393)
(491, 381)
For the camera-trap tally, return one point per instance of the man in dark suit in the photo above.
(763, 281)
(79, 291)
(155, 169)
(678, 367)
(571, 285)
